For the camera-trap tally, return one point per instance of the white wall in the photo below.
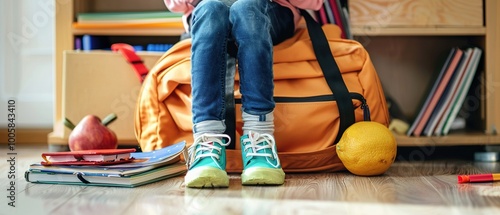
(26, 61)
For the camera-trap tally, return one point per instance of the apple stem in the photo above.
(69, 124)
(109, 119)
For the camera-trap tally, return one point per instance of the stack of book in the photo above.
(113, 168)
(335, 12)
(448, 93)
(100, 24)
(113, 20)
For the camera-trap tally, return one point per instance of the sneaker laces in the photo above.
(257, 150)
(206, 147)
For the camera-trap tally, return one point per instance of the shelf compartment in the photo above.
(416, 13)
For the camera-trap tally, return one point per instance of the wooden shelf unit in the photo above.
(405, 58)
(66, 12)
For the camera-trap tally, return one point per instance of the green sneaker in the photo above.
(261, 164)
(207, 162)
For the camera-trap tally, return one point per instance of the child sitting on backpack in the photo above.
(256, 26)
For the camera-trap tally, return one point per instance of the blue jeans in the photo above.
(255, 26)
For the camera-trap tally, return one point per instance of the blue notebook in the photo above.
(80, 178)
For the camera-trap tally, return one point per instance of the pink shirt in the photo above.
(183, 6)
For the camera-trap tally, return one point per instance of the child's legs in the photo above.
(210, 31)
(257, 26)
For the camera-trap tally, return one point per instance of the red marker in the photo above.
(479, 178)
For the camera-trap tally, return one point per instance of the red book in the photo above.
(337, 16)
(88, 157)
(322, 15)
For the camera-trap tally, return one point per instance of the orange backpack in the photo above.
(307, 119)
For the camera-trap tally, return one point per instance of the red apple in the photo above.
(91, 133)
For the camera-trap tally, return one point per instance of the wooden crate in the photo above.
(416, 13)
(100, 83)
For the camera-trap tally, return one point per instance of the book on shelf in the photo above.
(437, 89)
(92, 42)
(126, 17)
(465, 85)
(153, 47)
(148, 25)
(78, 43)
(113, 20)
(323, 19)
(339, 17)
(333, 12)
(146, 167)
(329, 12)
(158, 47)
(347, 23)
(89, 42)
(448, 93)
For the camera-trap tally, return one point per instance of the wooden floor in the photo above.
(428, 187)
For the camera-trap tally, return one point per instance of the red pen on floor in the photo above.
(479, 178)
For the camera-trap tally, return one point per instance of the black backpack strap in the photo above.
(331, 72)
(230, 119)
